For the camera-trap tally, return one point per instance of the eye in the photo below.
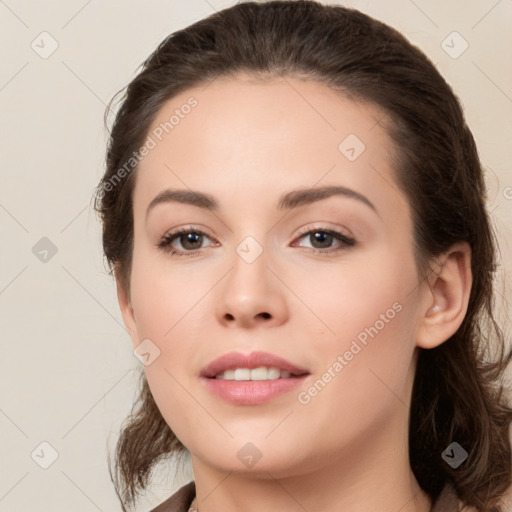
(323, 238)
(191, 240)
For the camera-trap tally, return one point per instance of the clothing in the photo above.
(180, 501)
(183, 500)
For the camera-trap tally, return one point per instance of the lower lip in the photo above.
(252, 392)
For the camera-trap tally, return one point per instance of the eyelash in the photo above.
(165, 242)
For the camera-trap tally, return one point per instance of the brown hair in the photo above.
(457, 393)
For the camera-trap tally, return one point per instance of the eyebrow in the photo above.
(287, 201)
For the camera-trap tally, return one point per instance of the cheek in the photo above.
(165, 307)
(358, 293)
(369, 318)
(364, 378)
(162, 297)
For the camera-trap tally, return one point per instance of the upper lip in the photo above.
(234, 360)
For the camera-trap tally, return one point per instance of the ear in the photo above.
(445, 297)
(127, 310)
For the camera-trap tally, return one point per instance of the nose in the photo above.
(251, 295)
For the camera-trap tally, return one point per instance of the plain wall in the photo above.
(68, 373)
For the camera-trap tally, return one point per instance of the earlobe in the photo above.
(445, 297)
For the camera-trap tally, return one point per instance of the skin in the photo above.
(246, 143)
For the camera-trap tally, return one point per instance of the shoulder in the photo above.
(180, 501)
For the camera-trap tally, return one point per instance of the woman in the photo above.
(293, 208)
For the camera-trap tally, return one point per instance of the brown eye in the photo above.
(322, 240)
(189, 240)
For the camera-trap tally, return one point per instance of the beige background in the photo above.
(68, 372)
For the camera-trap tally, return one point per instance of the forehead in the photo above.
(267, 135)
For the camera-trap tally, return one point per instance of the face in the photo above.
(325, 281)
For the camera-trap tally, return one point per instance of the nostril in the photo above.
(265, 315)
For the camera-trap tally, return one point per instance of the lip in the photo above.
(251, 392)
(234, 360)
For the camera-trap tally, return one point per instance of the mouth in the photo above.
(260, 373)
(251, 379)
(253, 366)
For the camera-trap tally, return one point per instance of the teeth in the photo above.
(261, 373)
(229, 374)
(242, 374)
